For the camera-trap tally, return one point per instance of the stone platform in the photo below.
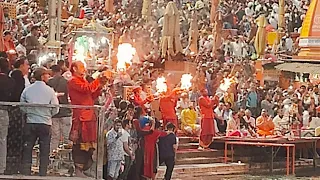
(196, 171)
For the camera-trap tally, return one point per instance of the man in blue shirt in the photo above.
(252, 100)
(167, 150)
(39, 121)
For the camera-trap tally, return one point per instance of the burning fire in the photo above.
(161, 85)
(226, 84)
(80, 54)
(125, 55)
(186, 81)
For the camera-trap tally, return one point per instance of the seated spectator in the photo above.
(265, 125)
(189, 121)
(233, 125)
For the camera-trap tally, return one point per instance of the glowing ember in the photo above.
(125, 55)
(161, 85)
(186, 81)
(226, 84)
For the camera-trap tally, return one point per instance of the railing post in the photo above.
(100, 143)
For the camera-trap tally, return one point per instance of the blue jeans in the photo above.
(32, 133)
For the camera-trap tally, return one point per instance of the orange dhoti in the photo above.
(207, 132)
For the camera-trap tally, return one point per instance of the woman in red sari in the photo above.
(206, 105)
(151, 135)
(151, 151)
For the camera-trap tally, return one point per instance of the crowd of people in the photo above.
(141, 130)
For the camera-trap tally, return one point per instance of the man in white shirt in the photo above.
(129, 152)
(280, 121)
(249, 119)
(21, 49)
(39, 120)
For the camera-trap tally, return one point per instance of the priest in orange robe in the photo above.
(167, 105)
(138, 101)
(206, 105)
(265, 125)
(83, 132)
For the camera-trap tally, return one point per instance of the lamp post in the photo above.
(53, 44)
(52, 18)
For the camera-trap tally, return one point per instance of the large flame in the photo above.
(186, 81)
(80, 55)
(125, 55)
(161, 85)
(226, 84)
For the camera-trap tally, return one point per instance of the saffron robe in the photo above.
(167, 106)
(207, 125)
(265, 127)
(82, 92)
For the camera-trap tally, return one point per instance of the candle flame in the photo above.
(161, 85)
(186, 81)
(125, 55)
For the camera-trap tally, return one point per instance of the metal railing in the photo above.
(100, 112)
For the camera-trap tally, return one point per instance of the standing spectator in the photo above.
(129, 154)
(7, 19)
(115, 150)
(20, 75)
(267, 104)
(6, 88)
(15, 132)
(252, 100)
(86, 11)
(167, 150)
(38, 126)
(61, 122)
(32, 42)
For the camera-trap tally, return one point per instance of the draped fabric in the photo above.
(170, 42)
(260, 40)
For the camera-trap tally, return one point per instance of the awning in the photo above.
(300, 67)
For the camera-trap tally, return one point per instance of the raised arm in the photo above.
(204, 103)
(83, 86)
